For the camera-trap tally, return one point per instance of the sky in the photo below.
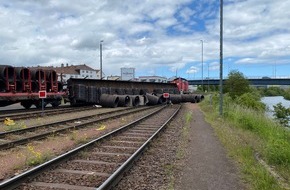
(156, 37)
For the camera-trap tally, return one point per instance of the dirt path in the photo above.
(207, 165)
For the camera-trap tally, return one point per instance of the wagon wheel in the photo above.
(26, 104)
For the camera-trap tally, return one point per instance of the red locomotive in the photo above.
(182, 84)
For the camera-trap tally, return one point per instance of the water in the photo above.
(273, 100)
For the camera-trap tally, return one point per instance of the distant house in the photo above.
(152, 79)
(66, 72)
(76, 71)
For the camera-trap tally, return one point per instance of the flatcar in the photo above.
(21, 84)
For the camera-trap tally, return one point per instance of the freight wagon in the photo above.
(21, 84)
(125, 93)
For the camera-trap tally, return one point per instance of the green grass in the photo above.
(180, 152)
(244, 133)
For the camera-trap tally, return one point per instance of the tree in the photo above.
(236, 84)
(282, 114)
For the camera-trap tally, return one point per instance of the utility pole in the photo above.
(201, 64)
(221, 59)
(101, 59)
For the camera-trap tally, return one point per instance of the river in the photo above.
(273, 100)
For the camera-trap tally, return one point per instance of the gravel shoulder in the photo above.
(207, 165)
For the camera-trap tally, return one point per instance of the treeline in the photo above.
(275, 91)
(237, 90)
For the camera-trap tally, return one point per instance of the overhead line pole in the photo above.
(221, 59)
(201, 64)
(101, 60)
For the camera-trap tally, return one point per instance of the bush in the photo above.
(251, 100)
(282, 114)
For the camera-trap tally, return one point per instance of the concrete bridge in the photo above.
(257, 82)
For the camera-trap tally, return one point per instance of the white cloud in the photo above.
(145, 35)
(192, 70)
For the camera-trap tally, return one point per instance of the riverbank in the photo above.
(252, 139)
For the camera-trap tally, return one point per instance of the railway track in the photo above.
(14, 138)
(99, 163)
(18, 115)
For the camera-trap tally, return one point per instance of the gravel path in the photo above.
(207, 165)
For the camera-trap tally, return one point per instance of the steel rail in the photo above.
(116, 176)
(14, 143)
(18, 116)
(28, 129)
(17, 180)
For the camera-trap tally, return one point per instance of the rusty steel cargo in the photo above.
(109, 93)
(21, 84)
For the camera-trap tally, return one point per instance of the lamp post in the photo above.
(101, 57)
(201, 64)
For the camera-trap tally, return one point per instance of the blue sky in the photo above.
(155, 37)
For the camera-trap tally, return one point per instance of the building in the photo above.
(66, 72)
(152, 79)
(127, 73)
(113, 77)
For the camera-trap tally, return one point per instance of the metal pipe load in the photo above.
(188, 98)
(51, 78)
(135, 100)
(199, 98)
(175, 98)
(23, 79)
(7, 74)
(124, 101)
(39, 79)
(107, 100)
(2, 85)
(152, 99)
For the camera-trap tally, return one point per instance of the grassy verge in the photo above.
(245, 134)
(181, 148)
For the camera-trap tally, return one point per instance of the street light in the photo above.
(101, 57)
(201, 64)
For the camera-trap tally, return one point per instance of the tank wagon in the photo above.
(109, 93)
(21, 84)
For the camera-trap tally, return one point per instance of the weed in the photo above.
(169, 170)
(35, 157)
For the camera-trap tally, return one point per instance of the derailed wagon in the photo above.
(109, 93)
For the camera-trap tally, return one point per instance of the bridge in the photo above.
(257, 82)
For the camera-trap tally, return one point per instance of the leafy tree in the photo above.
(251, 100)
(287, 94)
(282, 114)
(274, 91)
(236, 85)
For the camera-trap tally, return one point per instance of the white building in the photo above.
(66, 72)
(127, 73)
(152, 79)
